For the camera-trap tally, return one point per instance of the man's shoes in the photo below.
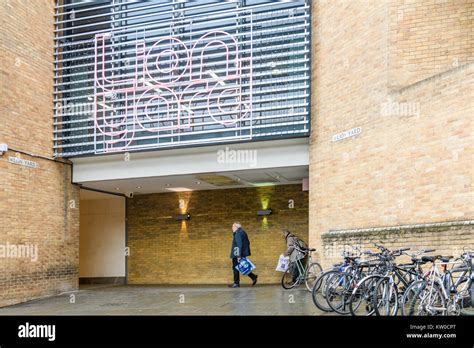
(234, 285)
(254, 280)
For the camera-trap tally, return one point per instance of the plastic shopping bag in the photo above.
(283, 263)
(245, 266)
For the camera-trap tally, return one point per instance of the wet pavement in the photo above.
(171, 300)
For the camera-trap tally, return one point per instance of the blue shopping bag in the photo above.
(245, 266)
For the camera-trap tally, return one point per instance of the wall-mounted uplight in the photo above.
(265, 212)
(183, 217)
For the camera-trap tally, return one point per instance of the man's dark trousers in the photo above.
(237, 273)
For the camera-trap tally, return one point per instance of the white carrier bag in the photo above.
(283, 263)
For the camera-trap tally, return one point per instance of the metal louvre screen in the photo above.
(134, 75)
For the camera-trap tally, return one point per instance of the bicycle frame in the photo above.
(444, 281)
(301, 268)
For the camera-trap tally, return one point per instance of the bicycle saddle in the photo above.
(445, 258)
(437, 257)
(368, 263)
(430, 258)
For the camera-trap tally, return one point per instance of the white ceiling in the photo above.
(280, 153)
(235, 179)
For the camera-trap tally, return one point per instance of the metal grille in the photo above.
(153, 74)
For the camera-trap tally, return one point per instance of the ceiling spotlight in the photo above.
(179, 189)
(263, 184)
(138, 187)
(182, 217)
(117, 189)
(264, 212)
(198, 182)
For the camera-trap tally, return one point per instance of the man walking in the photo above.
(240, 248)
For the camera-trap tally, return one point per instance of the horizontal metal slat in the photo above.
(274, 34)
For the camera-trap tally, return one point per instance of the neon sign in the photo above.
(173, 86)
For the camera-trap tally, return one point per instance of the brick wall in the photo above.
(38, 206)
(166, 251)
(394, 78)
(428, 38)
(26, 74)
(447, 238)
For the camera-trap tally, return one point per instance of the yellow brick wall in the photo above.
(166, 251)
(412, 163)
(429, 37)
(448, 239)
(26, 80)
(37, 206)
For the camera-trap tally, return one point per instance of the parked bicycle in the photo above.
(443, 292)
(307, 272)
(469, 311)
(333, 288)
(391, 288)
(379, 285)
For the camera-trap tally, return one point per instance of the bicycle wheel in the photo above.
(407, 297)
(428, 300)
(360, 302)
(339, 291)
(288, 281)
(463, 295)
(385, 298)
(319, 290)
(313, 271)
